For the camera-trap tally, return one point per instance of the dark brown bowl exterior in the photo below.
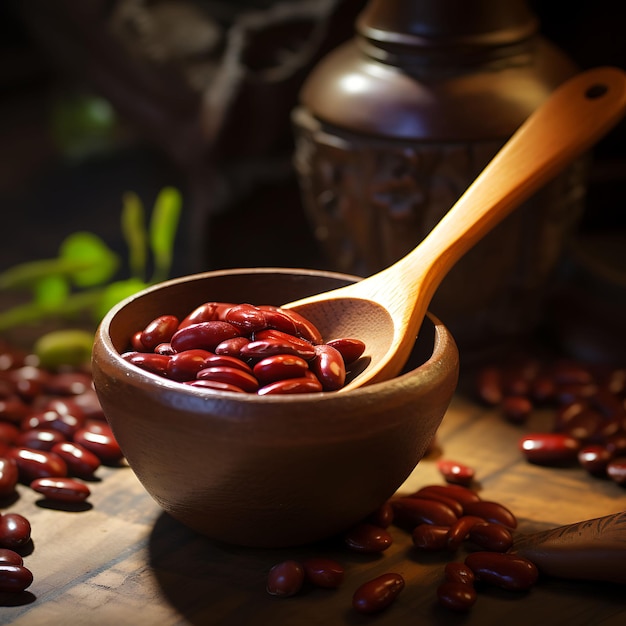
(273, 471)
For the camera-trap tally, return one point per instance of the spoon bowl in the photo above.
(386, 309)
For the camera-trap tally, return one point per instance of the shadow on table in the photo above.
(210, 583)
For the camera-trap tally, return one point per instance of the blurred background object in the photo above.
(101, 97)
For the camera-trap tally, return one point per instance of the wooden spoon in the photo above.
(591, 550)
(386, 309)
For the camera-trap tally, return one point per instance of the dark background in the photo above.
(46, 191)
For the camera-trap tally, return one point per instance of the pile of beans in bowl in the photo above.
(243, 348)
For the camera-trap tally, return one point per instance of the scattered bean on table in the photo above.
(53, 438)
(587, 403)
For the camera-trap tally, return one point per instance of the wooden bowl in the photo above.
(270, 471)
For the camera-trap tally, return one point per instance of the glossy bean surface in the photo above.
(368, 538)
(379, 593)
(14, 578)
(504, 570)
(285, 579)
(9, 476)
(61, 489)
(456, 596)
(14, 530)
(323, 572)
(412, 510)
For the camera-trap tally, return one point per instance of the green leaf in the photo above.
(27, 275)
(64, 347)
(51, 292)
(163, 227)
(100, 261)
(114, 293)
(134, 231)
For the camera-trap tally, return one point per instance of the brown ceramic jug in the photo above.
(394, 124)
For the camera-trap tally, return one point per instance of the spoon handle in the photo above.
(568, 123)
(591, 550)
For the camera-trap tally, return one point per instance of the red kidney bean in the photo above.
(29, 380)
(230, 376)
(549, 448)
(65, 423)
(285, 579)
(503, 569)
(33, 464)
(455, 472)
(149, 361)
(79, 460)
(159, 330)
(136, 344)
(382, 516)
(455, 572)
(223, 360)
(594, 458)
(9, 476)
(291, 385)
(455, 505)
(379, 593)
(99, 439)
(279, 320)
(516, 409)
(459, 531)
(411, 511)
(303, 348)
(456, 492)
(323, 572)
(263, 348)
(185, 365)
(584, 425)
(430, 537)
(456, 596)
(231, 347)
(13, 409)
(165, 349)
(367, 538)
(14, 578)
(489, 386)
(491, 512)
(40, 438)
(9, 432)
(350, 349)
(246, 317)
(207, 312)
(491, 536)
(279, 367)
(215, 385)
(61, 489)
(329, 367)
(10, 557)
(542, 389)
(14, 531)
(304, 327)
(616, 470)
(204, 335)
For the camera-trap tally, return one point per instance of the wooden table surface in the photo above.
(123, 561)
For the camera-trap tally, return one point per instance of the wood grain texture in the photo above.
(123, 561)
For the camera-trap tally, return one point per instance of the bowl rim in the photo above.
(443, 341)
